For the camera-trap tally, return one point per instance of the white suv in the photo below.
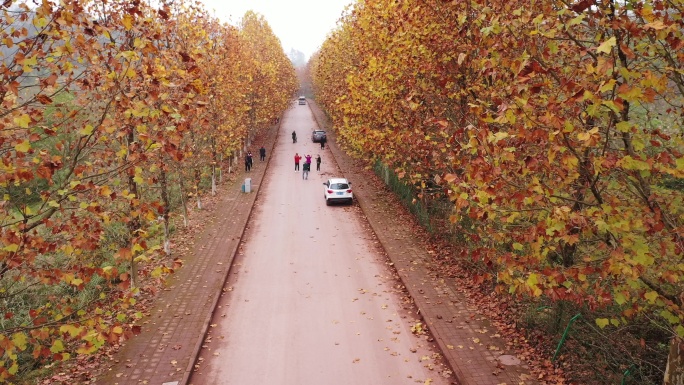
(338, 190)
(302, 100)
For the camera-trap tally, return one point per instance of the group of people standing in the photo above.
(248, 158)
(297, 158)
(307, 164)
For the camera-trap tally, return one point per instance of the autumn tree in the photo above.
(553, 128)
(102, 105)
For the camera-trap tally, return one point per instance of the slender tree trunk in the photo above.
(165, 201)
(214, 160)
(198, 177)
(221, 169)
(213, 180)
(184, 205)
(674, 372)
(134, 222)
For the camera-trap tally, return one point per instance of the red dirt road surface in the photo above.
(310, 300)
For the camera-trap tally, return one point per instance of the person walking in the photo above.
(262, 153)
(294, 137)
(305, 170)
(323, 140)
(248, 161)
(318, 162)
(297, 158)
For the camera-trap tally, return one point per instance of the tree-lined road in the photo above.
(310, 300)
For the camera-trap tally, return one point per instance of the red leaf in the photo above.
(14, 87)
(50, 80)
(44, 99)
(582, 5)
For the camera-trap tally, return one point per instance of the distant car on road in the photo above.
(338, 190)
(302, 100)
(317, 136)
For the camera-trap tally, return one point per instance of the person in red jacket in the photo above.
(297, 159)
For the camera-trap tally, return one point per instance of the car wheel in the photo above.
(327, 202)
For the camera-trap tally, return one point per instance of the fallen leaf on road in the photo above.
(417, 328)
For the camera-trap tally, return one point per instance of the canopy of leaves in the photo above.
(552, 127)
(98, 100)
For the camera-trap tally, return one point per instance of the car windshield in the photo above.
(339, 186)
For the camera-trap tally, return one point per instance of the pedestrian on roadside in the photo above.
(305, 170)
(297, 158)
(262, 153)
(323, 140)
(248, 161)
(307, 167)
(294, 137)
(318, 162)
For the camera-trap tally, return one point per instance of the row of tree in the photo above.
(553, 127)
(112, 114)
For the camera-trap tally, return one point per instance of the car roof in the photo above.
(338, 180)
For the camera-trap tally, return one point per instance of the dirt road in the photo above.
(310, 300)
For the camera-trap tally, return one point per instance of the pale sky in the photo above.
(300, 24)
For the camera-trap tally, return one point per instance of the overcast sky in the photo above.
(301, 24)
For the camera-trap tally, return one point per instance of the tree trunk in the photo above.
(134, 220)
(165, 213)
(221, 169)
(198, 177)
(183, 203)
(674, 372)
(230, 164)
(213, 180)
(214, 161)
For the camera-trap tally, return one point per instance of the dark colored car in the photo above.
(317, 136)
